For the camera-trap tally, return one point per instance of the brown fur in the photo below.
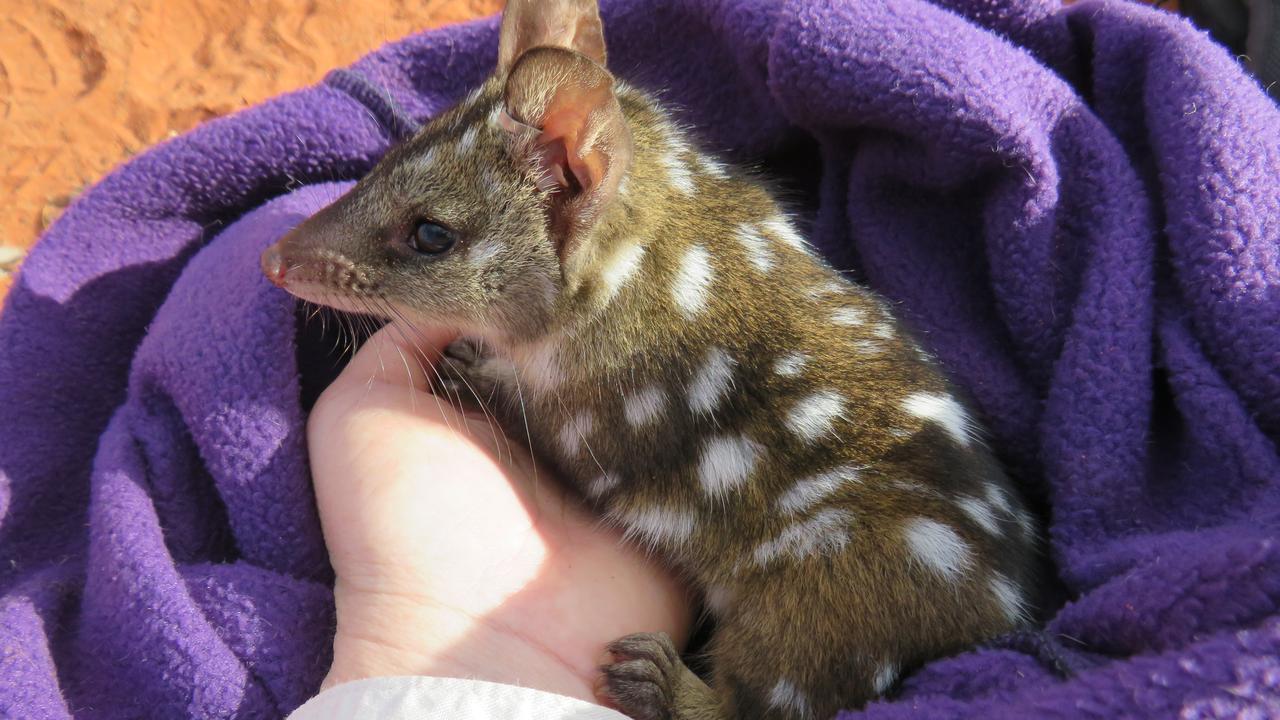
(838, 619)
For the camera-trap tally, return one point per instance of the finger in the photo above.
(398, 355)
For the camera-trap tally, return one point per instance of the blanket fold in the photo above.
(1077, 207)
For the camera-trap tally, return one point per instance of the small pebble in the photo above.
(9, 256)
(53, 208)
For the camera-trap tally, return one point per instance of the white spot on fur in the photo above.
(938, 548)
(656, 525)
(483, 252)
(602, 485)
(428, 158)
(1009, 597)
(575, 432)
(1026, 524)
(980, 513)
(756, 247)
(809, 491)
(791, 364)
(711, 382)
(998, 499)
(849, 316)
(473, 96)
(868, 347)
(468, 140)
(693, 281)
(677, 172)
(885, 677)
(539, 365)
(644, 406)
(712, 167)
(619, 270)
(884, 331)
(833, 287)
(624, 185)
(813, 415)
(727, 462)
(717, 599)
(913, 486)
(943, 410)
(495, 115)
(780, 228)
(787, 697)
(826, 533)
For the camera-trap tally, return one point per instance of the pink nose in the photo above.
(273, 265)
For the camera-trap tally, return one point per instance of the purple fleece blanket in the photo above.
(1078, 207)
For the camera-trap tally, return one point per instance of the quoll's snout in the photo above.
(273, 265)
(302, 263)
(321, 252)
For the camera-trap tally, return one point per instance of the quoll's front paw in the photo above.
(639, 681)
(451, 373)
(460, 374)
(648, 681)
(463, 351)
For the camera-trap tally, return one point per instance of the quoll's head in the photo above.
(473, 221)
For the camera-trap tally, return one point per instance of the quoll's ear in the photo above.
(571, 24)
(575, 132)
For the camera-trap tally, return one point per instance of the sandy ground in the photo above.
(84, 84)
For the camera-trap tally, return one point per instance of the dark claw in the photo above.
(636, 671)
(641, 700)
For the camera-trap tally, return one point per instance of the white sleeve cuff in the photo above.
(433, 698)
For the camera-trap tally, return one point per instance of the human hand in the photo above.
(453, 556)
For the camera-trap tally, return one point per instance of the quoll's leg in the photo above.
(648, 681)
(812, 638)
(785, 664)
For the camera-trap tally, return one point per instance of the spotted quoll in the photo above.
(654, 323)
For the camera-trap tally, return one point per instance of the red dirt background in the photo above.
(84, 84)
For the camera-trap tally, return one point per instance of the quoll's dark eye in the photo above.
(429, 238)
